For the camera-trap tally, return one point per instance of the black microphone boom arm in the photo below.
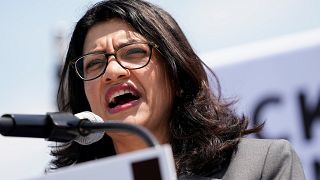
(64, 127)
(57, 126)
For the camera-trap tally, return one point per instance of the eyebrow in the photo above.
(130, 41)
(118, 46)
(93, 52)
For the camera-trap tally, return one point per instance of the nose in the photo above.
(114, 71)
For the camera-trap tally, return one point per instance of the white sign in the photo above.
(277, 82)
(151, 163)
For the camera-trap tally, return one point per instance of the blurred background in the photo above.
(266, 53)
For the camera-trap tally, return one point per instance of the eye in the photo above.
(133, 52)
(93, 64)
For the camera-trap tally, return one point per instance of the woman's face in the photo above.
(148, 99)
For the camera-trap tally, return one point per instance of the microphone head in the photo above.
(92, 137)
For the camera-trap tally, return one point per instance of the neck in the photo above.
(127, 143)
(124, 142)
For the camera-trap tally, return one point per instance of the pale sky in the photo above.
(28, 55)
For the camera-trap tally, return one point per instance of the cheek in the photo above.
(90, 91)
(163, 83)
(166, 92)
(161, 90)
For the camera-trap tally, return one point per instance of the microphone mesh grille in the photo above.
(92, 137)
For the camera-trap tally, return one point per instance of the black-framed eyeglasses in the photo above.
(130, 56)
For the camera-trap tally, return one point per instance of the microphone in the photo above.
(60, 127)
(84, 128)
(91, 137)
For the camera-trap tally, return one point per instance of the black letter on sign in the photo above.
(309, 115)
(317, 169)
(259, 109)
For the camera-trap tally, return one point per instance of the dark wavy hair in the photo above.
(204, 130)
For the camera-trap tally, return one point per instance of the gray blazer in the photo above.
(263, 159)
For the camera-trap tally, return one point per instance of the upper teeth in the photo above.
(119, 93)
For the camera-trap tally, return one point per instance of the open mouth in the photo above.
(121, 98)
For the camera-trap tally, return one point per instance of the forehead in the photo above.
(110, 34)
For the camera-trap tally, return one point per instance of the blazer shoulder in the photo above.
(248, 159)
(282, 162)
(262, 159)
